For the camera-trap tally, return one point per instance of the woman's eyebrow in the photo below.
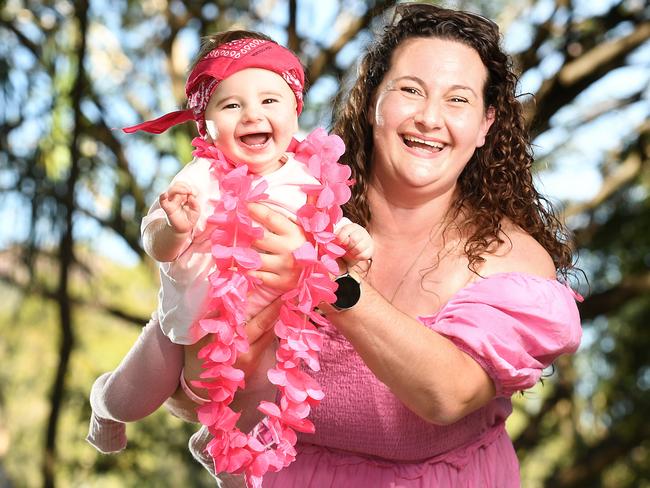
(463, 87)
(411, 78)
(421, 82)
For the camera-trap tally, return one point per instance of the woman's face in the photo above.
(428, 117)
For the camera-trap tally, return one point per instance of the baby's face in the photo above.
(251, 117)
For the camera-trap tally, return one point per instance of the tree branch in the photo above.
(626, 172)
(293, 41)
(317, 66)
(631, 166)
(25, 41)
(588, 467)
(575, 76)
(66, 257)
(607, 302)
(42, 291)
(562, 390)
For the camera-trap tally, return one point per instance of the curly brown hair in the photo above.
(497, 182)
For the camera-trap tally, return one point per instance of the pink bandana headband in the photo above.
(223, 61)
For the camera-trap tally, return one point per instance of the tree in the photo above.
(72, 71)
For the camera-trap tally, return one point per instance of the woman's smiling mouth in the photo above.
(422, 144)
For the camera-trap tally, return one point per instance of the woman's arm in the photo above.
(426, 371)
(254, 363)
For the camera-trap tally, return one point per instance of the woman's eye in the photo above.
(458, 99)
(410, 90)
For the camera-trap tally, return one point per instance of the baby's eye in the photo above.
(269, 100)
(231, 106)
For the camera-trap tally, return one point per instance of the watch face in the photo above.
(348, 292)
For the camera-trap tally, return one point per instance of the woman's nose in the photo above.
(429, 114)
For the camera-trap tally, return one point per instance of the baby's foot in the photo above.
(107, 436)
(197, 444)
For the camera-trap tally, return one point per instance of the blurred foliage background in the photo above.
(77, 286)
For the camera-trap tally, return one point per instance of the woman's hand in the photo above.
(259, 358)
(259, 331)
(281, 238)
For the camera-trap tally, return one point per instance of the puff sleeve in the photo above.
(514, 325)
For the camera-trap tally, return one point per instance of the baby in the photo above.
(245, 94)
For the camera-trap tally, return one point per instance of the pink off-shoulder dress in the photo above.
(514, 325)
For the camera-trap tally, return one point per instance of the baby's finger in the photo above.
(356, 238)
(167, 203)
(193, 203)
(180, 188)
(362, 253)
(343, 235)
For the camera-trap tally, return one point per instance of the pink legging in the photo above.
(147, 376)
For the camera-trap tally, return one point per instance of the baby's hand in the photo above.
(182, 209)
(357, 242)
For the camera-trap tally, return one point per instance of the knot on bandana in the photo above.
(220, 63)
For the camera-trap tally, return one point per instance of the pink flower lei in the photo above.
(271, 444)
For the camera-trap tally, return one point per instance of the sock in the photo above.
(198, 443)
(107, 436)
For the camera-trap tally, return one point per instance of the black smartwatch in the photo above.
(348, 292)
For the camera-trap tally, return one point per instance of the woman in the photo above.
(461, 307)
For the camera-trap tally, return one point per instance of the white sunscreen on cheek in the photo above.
(379, 117)
(211, 130)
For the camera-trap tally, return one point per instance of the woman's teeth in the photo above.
(416, 142)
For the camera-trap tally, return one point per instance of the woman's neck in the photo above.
(419, 261)
(411, 220)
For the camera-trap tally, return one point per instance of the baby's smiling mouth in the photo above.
(256, 139)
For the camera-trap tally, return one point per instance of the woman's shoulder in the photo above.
(519, 253)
